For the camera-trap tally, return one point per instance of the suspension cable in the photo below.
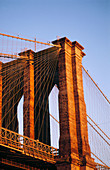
(34, 41)
(96, 85)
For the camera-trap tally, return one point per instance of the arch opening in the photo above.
(54, 116)
(20, 115)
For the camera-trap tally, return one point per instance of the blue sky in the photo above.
(86, 21)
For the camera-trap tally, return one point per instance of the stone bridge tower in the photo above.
(74, 146)
(74, 150)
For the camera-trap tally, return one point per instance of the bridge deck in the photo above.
(12, 159)
(25, 146)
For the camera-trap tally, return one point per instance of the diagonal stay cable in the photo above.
(41, 94)
(15, 103)
(46, 103)
(98, 126)
(96, 85)
(23, 116)
(98, 133)
(19, 83)
(8, 112)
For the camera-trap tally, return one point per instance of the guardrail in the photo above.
(27, 146)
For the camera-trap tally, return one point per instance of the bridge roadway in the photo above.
(21, 152)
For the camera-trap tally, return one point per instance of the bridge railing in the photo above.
(27, 146)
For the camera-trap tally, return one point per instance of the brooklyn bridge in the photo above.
(71, 132)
